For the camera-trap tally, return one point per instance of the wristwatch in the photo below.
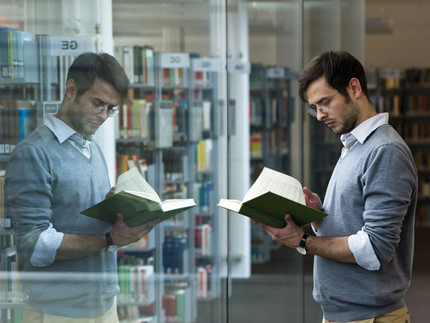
(302, 245)
(111, 247)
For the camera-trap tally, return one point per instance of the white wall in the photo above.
(408, 44)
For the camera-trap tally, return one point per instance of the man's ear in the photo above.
(355, 86)
(71, 89)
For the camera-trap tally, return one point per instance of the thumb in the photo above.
(288, 218)
(119, 218)
(309, 195)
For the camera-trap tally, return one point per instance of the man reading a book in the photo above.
(67, 264)
(364, 247)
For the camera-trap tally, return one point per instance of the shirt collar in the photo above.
(63, 131)
(364, 129)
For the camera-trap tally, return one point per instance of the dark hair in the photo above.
(337, 67)
(87, 66)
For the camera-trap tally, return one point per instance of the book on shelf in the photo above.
(5, 220)
(174, 247)
(31, 62)
(17, 120)
(202, 193)
(2, 130)
(12, 53)
(203, 239)
(273, 195)
(196, 114)
(256, 145)
(137, 201)
(163, 124)
(135, 120)
(138, 63)
(136, 283)
(207, 112)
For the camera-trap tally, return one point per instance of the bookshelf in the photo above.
(325, 151)
(204, 125)
(405, 94)
(270, 114)
(174, 144)
(19, 91)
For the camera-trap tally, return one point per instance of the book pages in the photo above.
(132, 180)
(278, 183)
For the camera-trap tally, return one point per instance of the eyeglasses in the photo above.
(323, 107)
(99, 108)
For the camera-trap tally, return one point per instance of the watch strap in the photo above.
(109, 240)
(302, 243)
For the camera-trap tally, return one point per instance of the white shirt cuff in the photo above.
(46, 247)
(363, 252)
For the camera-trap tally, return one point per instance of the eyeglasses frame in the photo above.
(322, 107)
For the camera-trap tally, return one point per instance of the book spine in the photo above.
(2, 204)
(2, 130)
(4, 53)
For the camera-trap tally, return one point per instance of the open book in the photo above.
(273, 195)
(137, 201)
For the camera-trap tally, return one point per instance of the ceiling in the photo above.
(149, 17)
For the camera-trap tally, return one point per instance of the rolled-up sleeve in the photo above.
(363, 252)
(388, 187)
(46, 247)
(29, 198)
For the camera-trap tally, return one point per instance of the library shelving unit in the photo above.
(270, 116)
(166, 130)
(405, 94)
(172, 140)
(18, 91)
(29, 89)
(325, 151)
(204, 123)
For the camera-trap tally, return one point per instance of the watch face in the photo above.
(301, 250)
(112, 248)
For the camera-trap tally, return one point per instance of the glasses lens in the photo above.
(312, 112)
(113, 112)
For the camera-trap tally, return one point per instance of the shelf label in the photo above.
(70, 45)
(239, 67)
(386, 73)
(174, 60)
(275, 72)
(205, 64)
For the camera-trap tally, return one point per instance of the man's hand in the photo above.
(313, 201)
(76, 246)
(111, 192)
(290, 235)
(123, 235)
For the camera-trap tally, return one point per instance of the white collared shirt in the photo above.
(64, 132)
(364, 129)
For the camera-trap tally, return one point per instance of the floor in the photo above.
(273, 292)
(418, 295)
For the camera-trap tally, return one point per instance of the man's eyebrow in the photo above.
(321, 100)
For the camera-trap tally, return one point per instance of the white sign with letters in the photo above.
(174, 60)
(239, 67)
(275, 72)
(205, 64)
(70, 45)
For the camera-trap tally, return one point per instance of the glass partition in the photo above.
(212, 99)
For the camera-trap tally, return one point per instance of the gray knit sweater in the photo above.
(373, 188)
(48, 184)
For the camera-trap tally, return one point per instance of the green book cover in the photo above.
(273, 195)
(137, 206)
